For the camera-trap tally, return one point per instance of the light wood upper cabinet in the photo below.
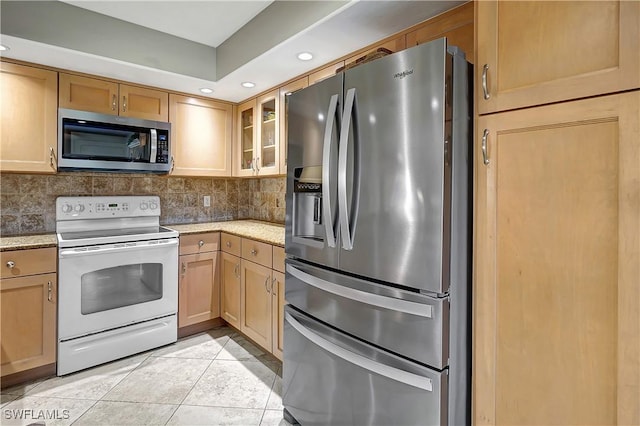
(230, 289)
(199, 297)
(201, 136)
(324, 73)
(255, 307)
(28, 119)
(108, 97)
(394, 45)
(28, 311)
(456, 25)
(285, 91)
(257, 143)
(536, 52)
(557, 255)
(277, 313)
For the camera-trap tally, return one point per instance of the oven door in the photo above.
(107, 286)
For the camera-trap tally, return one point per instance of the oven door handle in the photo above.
(116, 248)
(392, 373)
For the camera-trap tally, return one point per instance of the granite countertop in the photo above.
(28, 242)
(270, 233)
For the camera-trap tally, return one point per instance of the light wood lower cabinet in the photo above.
(255, 305)
(230, 288)
(277, 313)
(557, 255)
(199, 298)
(28, 309)
(28, 119)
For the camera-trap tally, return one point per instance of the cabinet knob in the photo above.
(228, 243)
(11, 264)
(254, 252)
(200, 243)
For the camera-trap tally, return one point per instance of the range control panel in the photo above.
(70, 208)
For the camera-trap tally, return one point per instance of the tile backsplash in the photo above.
(27, 201)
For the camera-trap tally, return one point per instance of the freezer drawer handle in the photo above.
(398, 305)
(392, 373)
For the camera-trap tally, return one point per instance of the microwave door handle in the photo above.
(327, 211)
(345, 229)
(154, 146)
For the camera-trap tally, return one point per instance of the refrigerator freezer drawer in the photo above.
(331, 378)
(410, 324)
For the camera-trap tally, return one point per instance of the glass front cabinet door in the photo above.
(258, 140)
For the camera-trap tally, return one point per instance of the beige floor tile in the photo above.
(241, 384)
(109, 413)
(273, 418)
(192, 415)
(159, 380)
(239, 348)
(21, 389)
(52, 411)
(203, 346)
(92, 383)
(275, 397)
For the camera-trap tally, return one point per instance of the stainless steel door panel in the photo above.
(311, 216)
(395, 178)
(331, 378)
(407, 323)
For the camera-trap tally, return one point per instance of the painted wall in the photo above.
(27, 201)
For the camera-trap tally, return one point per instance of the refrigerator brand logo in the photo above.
(403, 74)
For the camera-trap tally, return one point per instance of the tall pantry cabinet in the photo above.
(557, 220)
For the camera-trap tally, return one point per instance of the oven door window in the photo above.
(120, 286)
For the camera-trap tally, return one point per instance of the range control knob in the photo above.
(153, 205)
(66, 208)
(79, 208)
(144, 206)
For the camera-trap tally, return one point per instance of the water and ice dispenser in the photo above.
(307, 204)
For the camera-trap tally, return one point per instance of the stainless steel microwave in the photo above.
(88, 140)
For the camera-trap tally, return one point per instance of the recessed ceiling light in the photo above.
(305, 56)
(248, 84)
(3, 47)
(206, 90)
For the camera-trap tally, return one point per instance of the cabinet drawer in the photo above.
(278, 258)
(231, 244)
(28, 262)
(257, 252)
(199, 243)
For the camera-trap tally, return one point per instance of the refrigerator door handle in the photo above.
(392, 373)
(327, 212)
(347, 238)
(405, 306)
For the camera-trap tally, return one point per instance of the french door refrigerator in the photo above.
(378, 236)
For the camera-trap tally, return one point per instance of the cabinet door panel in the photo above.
(201, 136)
(28, 335)
(88, 94)
(28, 119)
(268, 132)
(256, 303)
(543, 52)
(557, 297)
(245, 140)
(199, 298)
(144, 103)
(277, 313)
(456, 25)
(230, 274)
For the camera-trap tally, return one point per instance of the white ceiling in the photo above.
(206, 22)
(349, 28)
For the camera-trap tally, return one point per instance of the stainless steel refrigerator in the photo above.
(378, 235)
